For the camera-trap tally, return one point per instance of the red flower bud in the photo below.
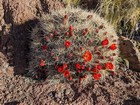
(66, 16)
(66, 73)
(109, 65)
(88, 68)
(67, 33)
(55, 32)
(78, 66)
(71, 28)
(71, 33)
(97, 30)
(44, 47)
(60, 69)
(113, 47)
(105, 42)
(84, 32)
(42, 63)
(97, 76)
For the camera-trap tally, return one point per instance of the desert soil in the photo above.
(121, 89)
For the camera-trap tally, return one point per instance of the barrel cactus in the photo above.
(73, 44)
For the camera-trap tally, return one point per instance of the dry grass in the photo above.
(71, 2)
(123, 14)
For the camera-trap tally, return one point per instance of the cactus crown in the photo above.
(73, 43)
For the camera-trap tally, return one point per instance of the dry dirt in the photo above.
(120, 89)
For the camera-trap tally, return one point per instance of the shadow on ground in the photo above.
(132, 101)
(21, 39)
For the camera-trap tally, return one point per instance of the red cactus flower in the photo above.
(42, 63)
(97, 76)
(105, 42)
(66, 73)
(67, 44)
(78, 66)
(95, 70)
(109, 65)
(113, 47)
(87, 56)
(99, 67)
(60, 69)
(71, 28)
(44, 47)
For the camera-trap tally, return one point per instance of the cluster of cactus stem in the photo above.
(71, 44)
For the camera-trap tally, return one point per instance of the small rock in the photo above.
(2, 87)
(129, 51)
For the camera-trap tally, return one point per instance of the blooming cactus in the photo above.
(73, 43)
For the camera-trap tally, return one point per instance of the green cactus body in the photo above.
(73, 44)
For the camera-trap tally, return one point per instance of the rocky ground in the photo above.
(120, 89)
